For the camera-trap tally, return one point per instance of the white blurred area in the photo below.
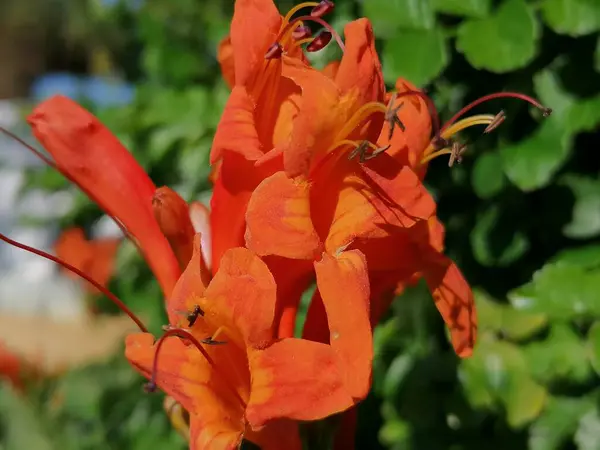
(29, 284)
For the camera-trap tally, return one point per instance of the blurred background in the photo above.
(522, 213)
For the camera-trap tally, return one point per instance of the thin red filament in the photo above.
(79, 273)
(25, 144)
(184, 334)
(545, 111)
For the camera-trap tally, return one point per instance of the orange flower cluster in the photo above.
(317, 176)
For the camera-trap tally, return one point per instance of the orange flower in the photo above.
(95, 257)
(243, 382)
(89, 155)
(11, 367)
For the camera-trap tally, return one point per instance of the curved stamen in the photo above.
(181, 333)
(25, 144)
(435, 119)
(297, 8)
(287, 29)
(319, 42)
(545, 111)
(324, 7)
(301, 32)
(79, 273)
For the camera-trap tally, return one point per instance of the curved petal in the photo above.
(279, 221)
(236, 131)
(200, 217)
(348, 313)
(226, 61)
(216, 416)
(360, 68)
(331, 69)
(408, 146)
(254, 29)
(173, 217)
(89, 155)
(237, 180)
(241, 297)
(296, 379)
(190, 287)
(454, 300)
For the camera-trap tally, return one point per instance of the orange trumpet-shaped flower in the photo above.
(89, 155)
(237, 380)
(259, 113)
(95, 257)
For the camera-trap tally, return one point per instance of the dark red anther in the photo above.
(319, 42)
(301, 32)
(324, 7)
(275, 51)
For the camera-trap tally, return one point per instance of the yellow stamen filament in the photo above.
(363, 113)
(295, 9)
(480, 119)
(217, 333)
(303, 41)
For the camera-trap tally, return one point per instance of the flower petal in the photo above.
(296, 379)
(241, 297)
(88, 154)
(200, 217)
(279, 221)
(408, 146)
(254, 29)
(173, 217)
(360, 68)
(454, 300)
(348, 313)
(190, 287)
(226, 61)
(236, 131)
(215, 413)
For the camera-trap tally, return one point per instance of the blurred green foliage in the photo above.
(522, 215)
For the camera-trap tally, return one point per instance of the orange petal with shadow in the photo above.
(89, 155)
(277, 434)
(454, 300)
(296, 379)
(200, 217)
(236, 131)
(190, 287)
(216, 416)
(173, 216)
(279, 221)
(350, 333)
(241, 297)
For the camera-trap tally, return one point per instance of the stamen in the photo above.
(319, 42)
(391, 115)
(183, 334)
(25, 144)
(361, 151)
(545, 111)
(79, 273)
(456, 153)
(435, 120)
(287, 29)
(498, 120)
(302, 32)
(323, 8)
(193, 316)
(358, 117)
(275, 51)
(297, 8)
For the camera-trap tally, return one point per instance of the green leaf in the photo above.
(557, 422)
(487, 177)
(496, 245)
(388, 16)
(418, 56)
(587, 257)
(504, 319)
(593, 345)
(572, 17)
(524, 400)
(531, 163)
(597, 56)
(585, 221)
(560, 357)
(560, 290)
(503, 42)
(468, 8)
